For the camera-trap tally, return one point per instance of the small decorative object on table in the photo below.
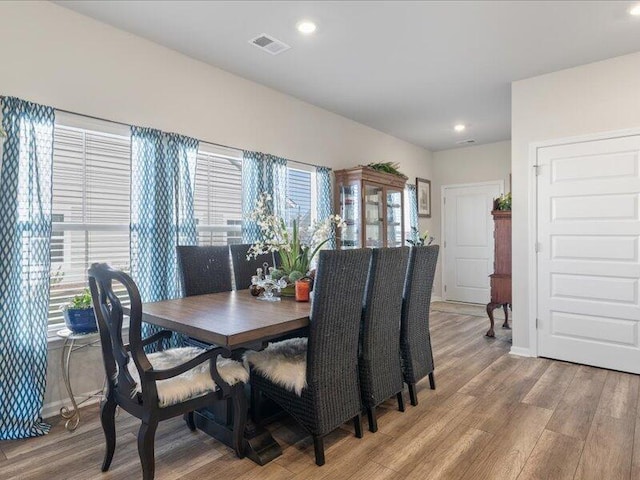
(295, 247)
(267, 284)
(303, 287)
(418, 240)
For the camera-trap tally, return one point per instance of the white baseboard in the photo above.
(53, 409)
(436, 299)
(521, 352)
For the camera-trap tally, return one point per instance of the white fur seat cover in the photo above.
(192, 383)
(284, 363)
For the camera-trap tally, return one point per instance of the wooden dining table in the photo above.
(235, 320)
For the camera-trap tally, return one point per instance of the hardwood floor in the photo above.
(493, 416)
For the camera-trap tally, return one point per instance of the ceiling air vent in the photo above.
(269, 44)
(469, 141)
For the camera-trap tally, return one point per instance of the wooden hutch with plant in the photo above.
(501, 277)
(370, 200)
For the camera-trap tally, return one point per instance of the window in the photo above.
(301, 181)
(218, 195)
(90, 204)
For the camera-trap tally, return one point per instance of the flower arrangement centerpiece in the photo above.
(418, 240)
(295, 246)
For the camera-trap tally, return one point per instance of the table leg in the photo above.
(72, 417)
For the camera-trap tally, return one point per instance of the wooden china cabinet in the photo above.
(372, 205)
(501, 277)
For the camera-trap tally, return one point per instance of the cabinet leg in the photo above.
(490, 308)
(505, 307)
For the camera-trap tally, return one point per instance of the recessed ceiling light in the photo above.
(307, 27)
(635, 10)
(460, 127)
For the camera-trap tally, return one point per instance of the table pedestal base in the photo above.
(260, 446)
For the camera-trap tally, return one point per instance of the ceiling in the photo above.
(411, 69)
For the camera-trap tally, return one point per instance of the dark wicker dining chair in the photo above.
(415, 338)
(204, 269)
(328, 394)
(160, 385)
(244, 269)
(380, 368)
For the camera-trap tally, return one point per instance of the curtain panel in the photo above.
(324, 198)
(25, 236)
(262, 173)
(162, 212)
(412, 201)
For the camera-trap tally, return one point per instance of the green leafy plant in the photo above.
(503, 202)
(3, 134)
(80, 302)
(418, 240)
(387, 167)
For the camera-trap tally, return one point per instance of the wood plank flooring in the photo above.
(493, 416)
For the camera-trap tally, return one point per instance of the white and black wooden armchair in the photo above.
(161, 385)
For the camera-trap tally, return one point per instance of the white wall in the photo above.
(480, 163)
(599, 97)
(56, 57)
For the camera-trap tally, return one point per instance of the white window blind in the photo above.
(218, 195)
(91, 207)
(299, 196)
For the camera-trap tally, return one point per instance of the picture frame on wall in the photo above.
(423, 197)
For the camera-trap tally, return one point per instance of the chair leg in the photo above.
(318, 447)
(191, 421)
(400, 401)
(146, 439)
(357, 424)
(373, 423)
(108, 420)
(413, 397)
(239, 419)
(432, 381)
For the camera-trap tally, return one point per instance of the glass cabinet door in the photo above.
(350, 212)
(374, 219)
(394, 218)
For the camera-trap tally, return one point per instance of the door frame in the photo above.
(443, 215)
(532, 195)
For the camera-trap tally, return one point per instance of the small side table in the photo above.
(72, 343)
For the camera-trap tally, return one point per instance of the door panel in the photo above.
(468, 240)
(589, 253)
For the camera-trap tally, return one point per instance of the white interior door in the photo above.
(468, 241)
(589, 252)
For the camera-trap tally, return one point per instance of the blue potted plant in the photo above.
(78, 314)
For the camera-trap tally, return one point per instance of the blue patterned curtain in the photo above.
(324, 197)
(162, 217)
(262, 173)
(411, 212)
(25, 235)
